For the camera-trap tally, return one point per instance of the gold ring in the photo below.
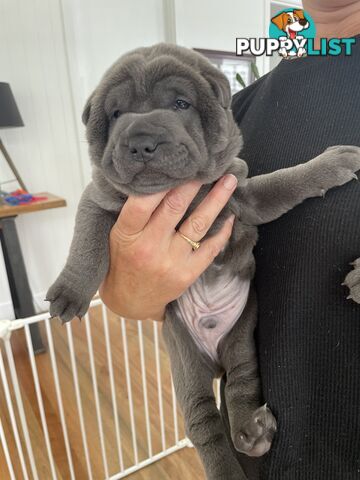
(194, 245)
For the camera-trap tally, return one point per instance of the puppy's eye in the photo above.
(289, 20)
(182, 104)
(116, 114)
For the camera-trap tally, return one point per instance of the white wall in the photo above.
(53, 53)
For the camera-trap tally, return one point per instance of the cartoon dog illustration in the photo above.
(291, 23)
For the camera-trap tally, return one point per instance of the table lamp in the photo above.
(9, 117)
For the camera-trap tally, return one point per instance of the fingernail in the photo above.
(229, 181)
(231, 219)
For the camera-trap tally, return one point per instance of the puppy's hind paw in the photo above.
(255, 437)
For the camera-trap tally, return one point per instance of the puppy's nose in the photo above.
(142, 147)
(303, 21)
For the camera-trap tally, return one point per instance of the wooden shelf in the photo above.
(52, 201)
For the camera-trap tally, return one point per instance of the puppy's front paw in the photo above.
(255, 437)
(340, 164)
(66, 301)
(352, 281)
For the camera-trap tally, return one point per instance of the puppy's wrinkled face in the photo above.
(155, 121)
(155, 140)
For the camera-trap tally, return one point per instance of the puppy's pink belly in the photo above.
(210, 311)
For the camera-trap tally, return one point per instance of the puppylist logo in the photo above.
(292, 33)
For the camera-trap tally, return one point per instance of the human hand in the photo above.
(150, 264)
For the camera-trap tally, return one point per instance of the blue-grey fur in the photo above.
(135, 99)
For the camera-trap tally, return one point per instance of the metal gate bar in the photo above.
(6, 452)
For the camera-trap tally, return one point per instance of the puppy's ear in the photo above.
(299, 13)
(280, 20)
(219, 85)
(87, 109)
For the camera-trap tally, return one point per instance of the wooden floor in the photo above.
(180, 465)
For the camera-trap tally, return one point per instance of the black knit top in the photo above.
(308, 334)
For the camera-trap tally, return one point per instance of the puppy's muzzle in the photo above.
(303, 22)
(143, 147)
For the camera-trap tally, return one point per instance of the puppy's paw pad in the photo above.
(255, 437)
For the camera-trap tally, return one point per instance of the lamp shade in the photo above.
(9, 113)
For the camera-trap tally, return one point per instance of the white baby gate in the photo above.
(37, 389)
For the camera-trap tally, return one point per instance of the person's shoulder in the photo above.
(242, 99)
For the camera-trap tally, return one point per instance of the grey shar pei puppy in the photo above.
(160, 117)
